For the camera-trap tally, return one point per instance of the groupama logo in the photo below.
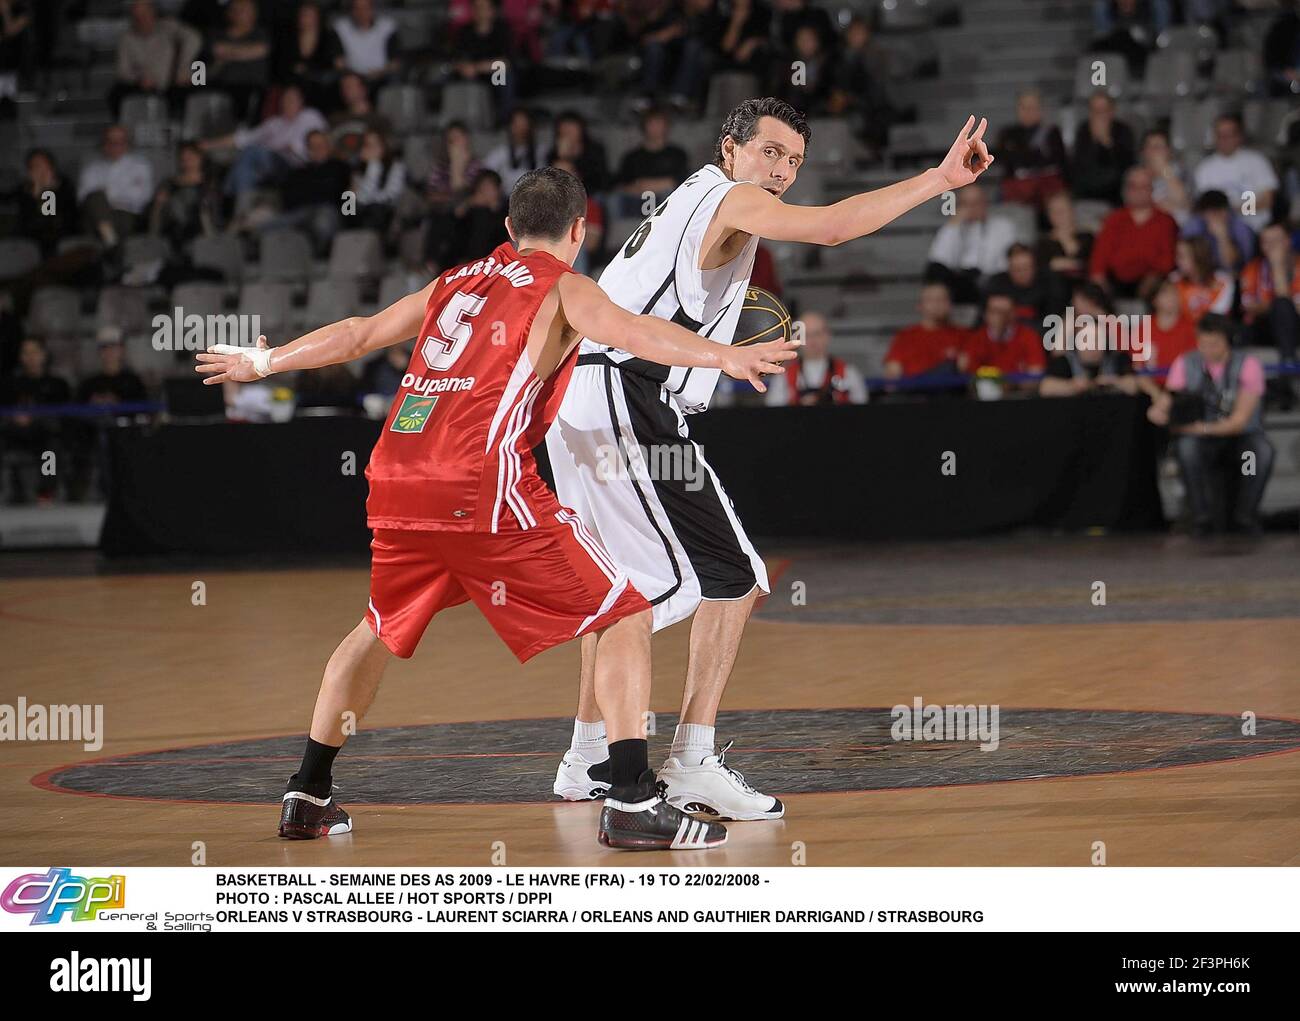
(47, 898)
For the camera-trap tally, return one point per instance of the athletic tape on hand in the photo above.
(260, 357)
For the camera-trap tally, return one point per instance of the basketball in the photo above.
(763, 317)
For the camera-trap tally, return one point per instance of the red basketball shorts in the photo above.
(538, 587)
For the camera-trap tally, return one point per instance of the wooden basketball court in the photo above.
(244, 666)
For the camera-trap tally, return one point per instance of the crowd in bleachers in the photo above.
(231, 127)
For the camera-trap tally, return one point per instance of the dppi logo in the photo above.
(47, 898)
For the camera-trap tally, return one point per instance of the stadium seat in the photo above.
(330, 300)
(273, 301)
(1239, 71)
(18, 256)
(404, 107)
(1263, 118)
(127, 308)
(470, 102)
(417, 153)
(55, 311)
(1170, 74)
(727, 91)
(1023, 218)
(222, 252)
(208, 113)
(356, 253)
(1191, 125)
(142, 248)
(285, 255)
(1089, 213)
(836, 147)
(148, 119)
(398, 284)
(200, 299)
(1114, 69)
(620, 229)
(1198, 40)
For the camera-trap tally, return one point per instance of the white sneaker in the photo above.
(716, 788)
(572, 782)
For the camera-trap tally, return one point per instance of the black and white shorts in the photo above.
(623, 460)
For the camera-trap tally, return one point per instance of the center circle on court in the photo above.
(781, 751)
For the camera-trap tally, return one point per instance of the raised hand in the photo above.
(969, 156)
(229, 363)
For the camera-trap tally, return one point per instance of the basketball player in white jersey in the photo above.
(620, 448)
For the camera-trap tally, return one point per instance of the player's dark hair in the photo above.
(545, 202)
(742, 123)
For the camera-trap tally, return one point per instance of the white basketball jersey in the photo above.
(658, 273)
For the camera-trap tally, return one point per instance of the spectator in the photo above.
(1135, 247)
(574, 144)
(1035, 293)
(273, 148)
(1215, 430)
(518, 154)
(483, 48)
(744, 45)
(1282, 51)
(816, 376)
(332, 387)
(310, 57)
(1172, 329)
(702, 35)
(861, 85)
(1103, 151)
(654, 167)
(1086, 361)
(312, 194)
(1203, 288)
(479, 224)
(17, 49)
(1232, 243)
(656, 28)
(379, 181)
(241, 59)
(1245, 175)
(932, 346)
(1001, 343)
(1032, 154)
(188, 205)
(114, 383)
(47, 204)
(115, 190)
(154, 57)
(355, 116)
(455, 169)
(1129, 28)
(1270, 293)
(1168, 176)
(26, 435)
(810, 89)
(1064, 249)
(971, 246)
(369, 41)
(595, 222)
(792, 15)
(383, 373)
(579, 28)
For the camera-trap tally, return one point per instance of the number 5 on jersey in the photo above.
(441, 352)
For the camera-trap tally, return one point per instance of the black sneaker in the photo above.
(639, 819)
(305, 816)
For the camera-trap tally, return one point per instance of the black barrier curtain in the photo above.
(888, 471)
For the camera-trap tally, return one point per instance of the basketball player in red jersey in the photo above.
(457, 507)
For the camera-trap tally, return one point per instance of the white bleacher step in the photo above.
(36, 526)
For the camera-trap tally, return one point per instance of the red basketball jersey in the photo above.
(456, 450)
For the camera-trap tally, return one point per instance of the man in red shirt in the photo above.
(1135, 248)
(1002, 343)
(459, 511)
(933, 344)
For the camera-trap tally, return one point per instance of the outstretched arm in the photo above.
(753, 210)
(344, 341)
(589, 311)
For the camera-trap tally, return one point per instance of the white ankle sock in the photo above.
(692, 742)
(589, 739)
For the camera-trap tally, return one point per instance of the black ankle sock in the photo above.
(317, 766)
(627, 761)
